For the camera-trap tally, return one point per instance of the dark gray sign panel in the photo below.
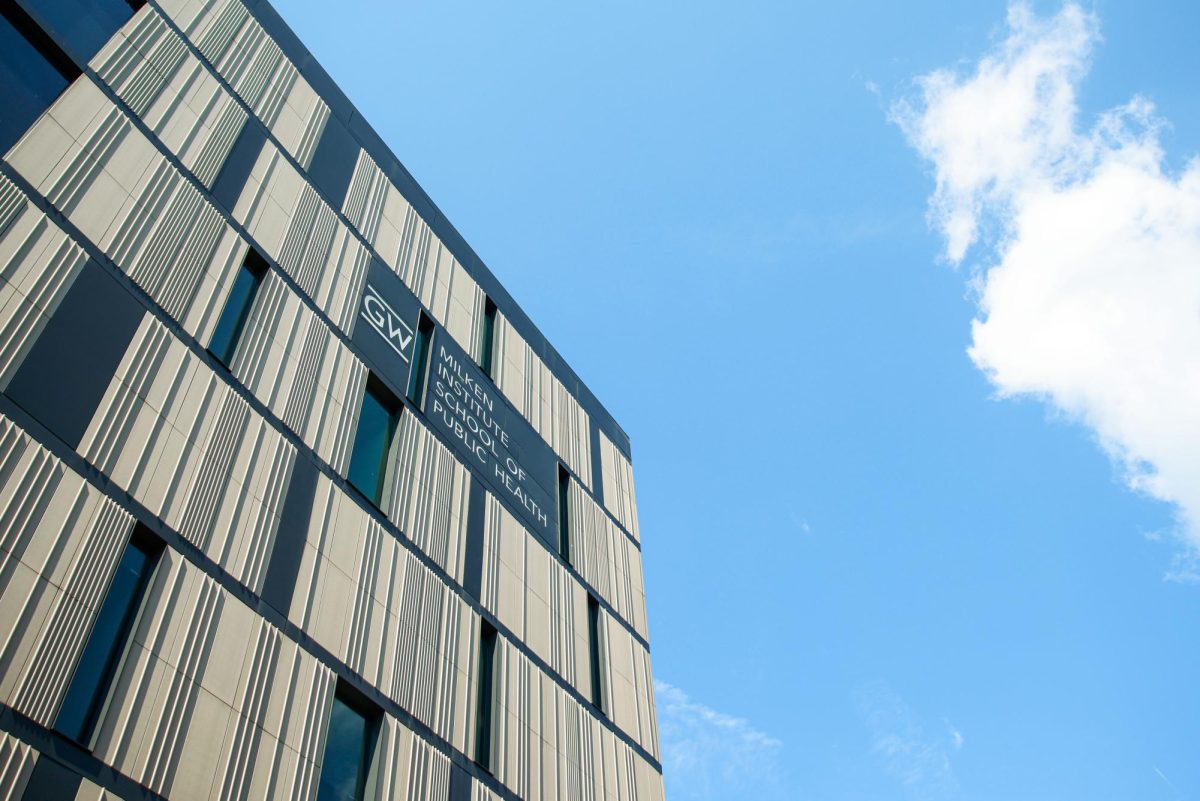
(491, 436)
(386, 326)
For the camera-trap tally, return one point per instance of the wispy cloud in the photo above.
(712, 755)
(920, 761)
(956, 736)
(798, 520)
(1088, 248)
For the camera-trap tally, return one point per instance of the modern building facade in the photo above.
(295, 501)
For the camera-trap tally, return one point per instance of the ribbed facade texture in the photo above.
(295, 501)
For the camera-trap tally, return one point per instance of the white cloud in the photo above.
(1089, 293)
(711, 755)
(919, 761)
(798, 520)
(956, 736)
(1163, 776)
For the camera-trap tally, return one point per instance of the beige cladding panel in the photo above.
(407, 767)
(380, 213)
(191, 451)
(291, 361)
(428, 496)
(606, 558)
(366, 198)
(543, 400)
(301, 372)
(151, 69)
(59, 543)
(630, 685)
(161, 231)
(324, 258)
(38, 264)
(371, 603)
(184, 718)
(617, 481)
(297, 229)
(548, 612)
(530, 593)
(270, 199)
(480, 792)
(171, 695)
(17, 761)
(192, 723)
(241, 52)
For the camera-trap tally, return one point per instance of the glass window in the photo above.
(377, 422)
(33, 72)
(106, 645)
(564, 522)
(483, 710)
(349, 744)
(596, 653)
(84, 24)
(225, 337)
(487, 344)
(420, 362)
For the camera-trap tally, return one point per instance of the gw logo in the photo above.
(386, 322)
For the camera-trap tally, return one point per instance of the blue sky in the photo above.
(897, 302)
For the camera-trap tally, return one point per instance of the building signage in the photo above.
(464, 404)
(388, 323)
(385, 326)
(461, 402)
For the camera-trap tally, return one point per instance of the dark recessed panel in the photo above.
(473, 564)
(280, 582)
(51, 781)
(30, 80)
(460, 784)
(72, 363)
(597, 464)
(238, 164)
(385, 327)
(81, 27)
(333, 162)
(492, 437)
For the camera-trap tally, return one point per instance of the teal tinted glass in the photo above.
(483, 717)
(487, 344)
(97, 665)
(29, 83)
(594, 648)
(237, 309)
(372, 440)
(420, 362)
(85, 24)
(344, 767)
(564, 522)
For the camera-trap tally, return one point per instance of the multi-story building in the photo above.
(295, 501)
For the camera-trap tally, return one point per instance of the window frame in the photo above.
(152, 548)
(393, 407)
(419, 370)
(487, 338)
(36, 96)
(256, 267)
(372, 716)
(485, 695)
(564, 516)
(597, 655)
(41, 41)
